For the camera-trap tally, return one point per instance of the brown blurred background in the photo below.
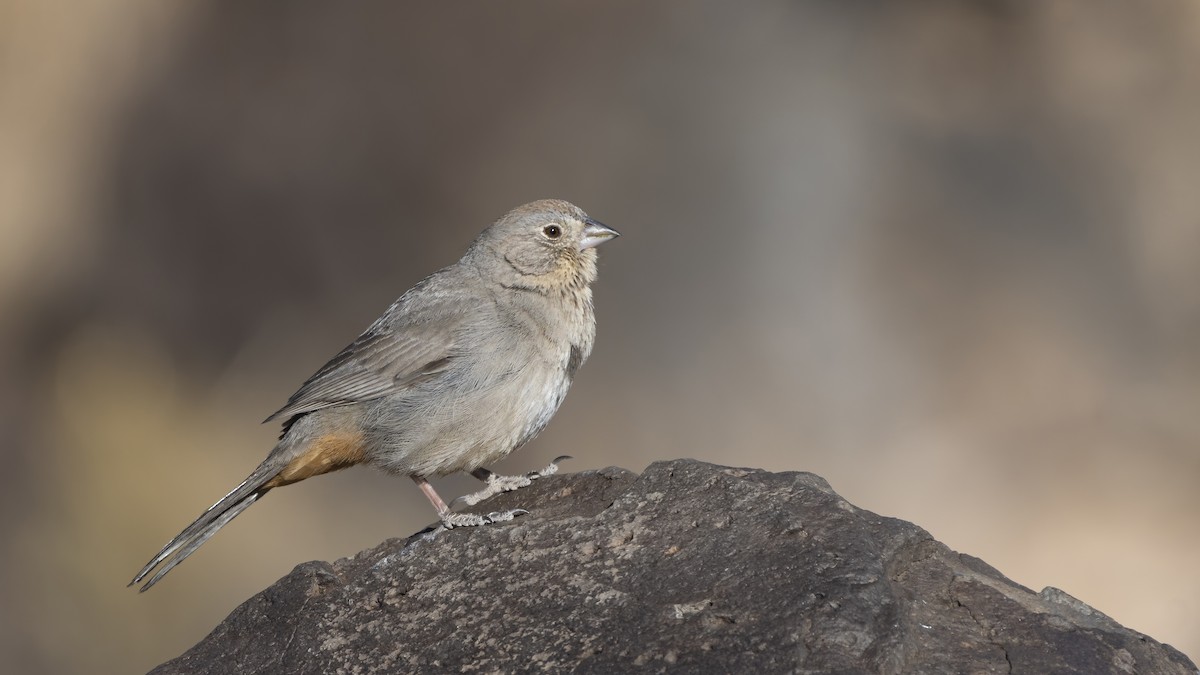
(944, 254)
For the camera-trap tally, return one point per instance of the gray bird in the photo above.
(467, 366)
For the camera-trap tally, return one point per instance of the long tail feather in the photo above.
(203, 536)
(217, 516)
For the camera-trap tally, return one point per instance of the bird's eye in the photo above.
(552, 231)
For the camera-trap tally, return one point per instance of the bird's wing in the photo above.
(384, 359)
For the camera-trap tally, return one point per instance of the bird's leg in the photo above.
(451, 520)
(497, 484)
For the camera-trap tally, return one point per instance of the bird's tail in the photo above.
(217, 516)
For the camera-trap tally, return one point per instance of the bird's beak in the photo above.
(596, 233)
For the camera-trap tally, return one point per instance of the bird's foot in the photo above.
(453, 520)
(497, 484)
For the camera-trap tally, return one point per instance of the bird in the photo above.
(465, 367)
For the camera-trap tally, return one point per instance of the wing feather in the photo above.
(391, 355)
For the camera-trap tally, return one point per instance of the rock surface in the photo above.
(690, 567)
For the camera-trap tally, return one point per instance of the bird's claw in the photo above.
(502, 516)
(497, 484)
(551, 468)
(453, 520)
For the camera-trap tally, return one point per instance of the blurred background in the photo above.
(944, 254)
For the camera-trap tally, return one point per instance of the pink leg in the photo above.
(432, 496)
(451, 520)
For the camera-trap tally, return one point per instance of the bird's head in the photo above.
(544, 244)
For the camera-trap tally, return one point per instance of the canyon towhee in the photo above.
(464, 368)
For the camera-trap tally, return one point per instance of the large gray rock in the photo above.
(690, 567)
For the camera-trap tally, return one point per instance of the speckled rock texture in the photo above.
(689, 567)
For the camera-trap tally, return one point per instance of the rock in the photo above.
(690, 567)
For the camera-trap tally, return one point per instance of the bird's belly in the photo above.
(541, 401)
(474, 430)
